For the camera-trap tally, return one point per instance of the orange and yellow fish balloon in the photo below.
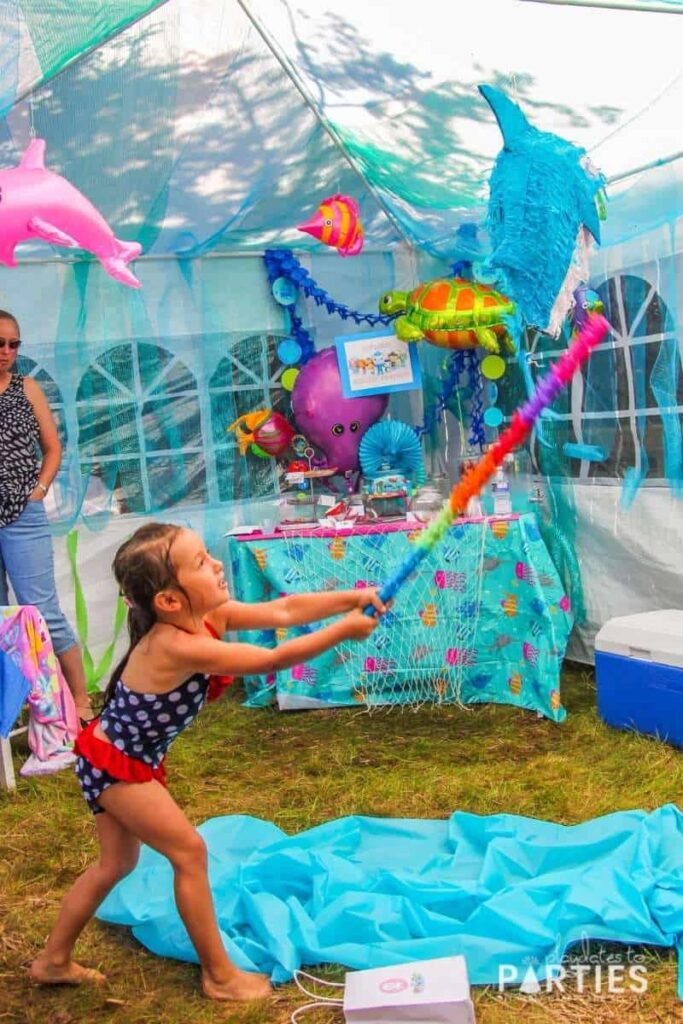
(336, 222)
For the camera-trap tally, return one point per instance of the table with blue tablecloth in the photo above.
(484, 619)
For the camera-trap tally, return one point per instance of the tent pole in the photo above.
(620, 5)
(153, 257)
(329, 128)
(646, 167)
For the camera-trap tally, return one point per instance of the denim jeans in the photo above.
(26, 559)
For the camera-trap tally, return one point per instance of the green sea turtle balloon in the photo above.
(452, 313)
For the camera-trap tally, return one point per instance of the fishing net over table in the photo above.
(422, 646)
(483, 617)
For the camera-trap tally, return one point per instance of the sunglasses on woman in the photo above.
(11, 345)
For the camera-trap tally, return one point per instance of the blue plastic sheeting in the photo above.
(370, 892)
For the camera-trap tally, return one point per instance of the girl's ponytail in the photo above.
(142, 568)
(140, 621)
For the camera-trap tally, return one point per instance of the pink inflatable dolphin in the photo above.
(35, 203)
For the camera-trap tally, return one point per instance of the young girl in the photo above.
(179, 606)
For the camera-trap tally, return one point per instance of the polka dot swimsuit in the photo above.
(141, 726)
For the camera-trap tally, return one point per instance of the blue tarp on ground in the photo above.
(369, 892)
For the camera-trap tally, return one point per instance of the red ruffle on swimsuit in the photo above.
(140, 728)
(102, 754)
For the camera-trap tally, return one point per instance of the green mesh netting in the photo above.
(59, 33)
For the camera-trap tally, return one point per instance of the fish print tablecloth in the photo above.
(484, 619)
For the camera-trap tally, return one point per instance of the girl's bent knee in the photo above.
(115, 871)
(191, 854)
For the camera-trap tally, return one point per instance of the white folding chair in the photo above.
(7, 779)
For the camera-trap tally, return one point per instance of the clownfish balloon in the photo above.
(263, 433)
(336, 222)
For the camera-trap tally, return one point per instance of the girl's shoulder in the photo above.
(168, 647)
(157, 663)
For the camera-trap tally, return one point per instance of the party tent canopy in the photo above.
(209, 127)
(206, 132)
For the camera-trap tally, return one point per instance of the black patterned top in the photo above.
(18, 450)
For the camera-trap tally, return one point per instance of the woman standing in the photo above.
(26, 425)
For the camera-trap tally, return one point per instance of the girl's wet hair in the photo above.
(143, 568)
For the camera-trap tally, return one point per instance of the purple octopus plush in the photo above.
(332, 423)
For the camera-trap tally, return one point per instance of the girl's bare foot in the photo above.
(42, 972)
(242, 986)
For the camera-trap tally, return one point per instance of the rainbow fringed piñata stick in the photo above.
(523, 420)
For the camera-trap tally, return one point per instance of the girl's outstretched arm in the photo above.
(198, 653)
(293, 610)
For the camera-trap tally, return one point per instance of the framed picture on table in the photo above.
(376, 363)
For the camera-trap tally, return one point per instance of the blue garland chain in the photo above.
(454, 369)
(459, 362)
(462, 268)
(476, 383)
(283, 263)
(302, 336)
(296, 324)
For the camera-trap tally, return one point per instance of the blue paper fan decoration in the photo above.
(392, 446)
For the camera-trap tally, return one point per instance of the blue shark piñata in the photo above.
(544, 214)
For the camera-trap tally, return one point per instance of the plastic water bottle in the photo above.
(502, 503)
(518, 469)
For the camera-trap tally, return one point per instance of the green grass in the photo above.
(299, 770)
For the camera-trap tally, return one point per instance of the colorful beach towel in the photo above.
(53, 723)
